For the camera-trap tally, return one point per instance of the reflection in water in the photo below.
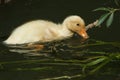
(25, 49)
(35, 49)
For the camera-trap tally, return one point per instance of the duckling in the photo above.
(47, 31)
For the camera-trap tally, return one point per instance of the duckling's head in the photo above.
(76, 24)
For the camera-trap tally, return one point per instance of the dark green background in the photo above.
(18, 12)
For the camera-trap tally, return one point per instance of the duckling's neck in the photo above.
(58, 32)
(66, 32)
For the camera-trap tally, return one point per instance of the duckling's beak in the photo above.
(82, 32)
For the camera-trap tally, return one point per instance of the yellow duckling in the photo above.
(46, 31)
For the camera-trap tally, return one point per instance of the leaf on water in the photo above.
(96, 61)
(102, 9)
(102, 18)
(101, 65)
(110, 20)
(33, 69)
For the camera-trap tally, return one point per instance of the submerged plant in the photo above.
(86, 62)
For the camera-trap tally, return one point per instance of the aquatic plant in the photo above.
(108, 15)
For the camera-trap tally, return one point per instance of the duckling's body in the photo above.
(38, 30)
(46, 31)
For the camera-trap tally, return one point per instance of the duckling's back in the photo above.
(29, 32)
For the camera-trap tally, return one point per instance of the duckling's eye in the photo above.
(78, 24)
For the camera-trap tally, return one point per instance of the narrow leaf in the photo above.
(117, 2)
(110, 20)
(96, 61)
(102, 9)
(102, 18)
(101, 65)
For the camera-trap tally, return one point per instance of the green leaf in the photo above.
(100, 66)
(117, 2)
(110, 20)
(102, 9)
(102, 18)
(96, 61)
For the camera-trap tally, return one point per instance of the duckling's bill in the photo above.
(83, 33)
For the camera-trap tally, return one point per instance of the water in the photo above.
(61, 60)
(64, 61)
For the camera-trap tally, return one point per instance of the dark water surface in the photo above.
(62, 60)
